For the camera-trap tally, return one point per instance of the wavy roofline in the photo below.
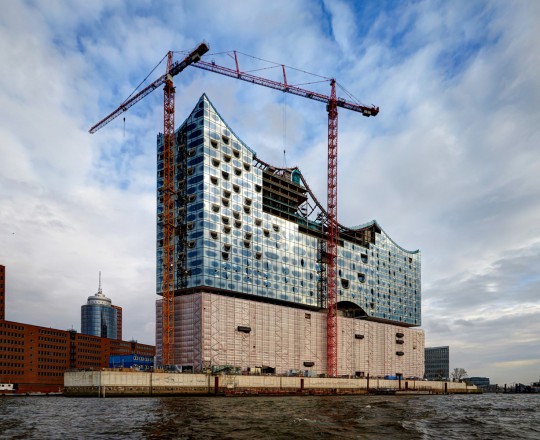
(321, 207)
(205, 96)
(367, 225)
(375, 222)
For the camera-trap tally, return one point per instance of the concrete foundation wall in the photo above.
(285, 338)
(110, 383)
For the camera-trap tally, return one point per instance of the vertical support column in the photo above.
(347, 345)
(308, 342)
(169, 226)
(332, 237)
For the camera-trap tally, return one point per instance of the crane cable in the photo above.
(142, 82)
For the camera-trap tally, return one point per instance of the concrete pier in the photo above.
(122, 383)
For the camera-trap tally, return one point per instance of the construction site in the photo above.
(254, 274)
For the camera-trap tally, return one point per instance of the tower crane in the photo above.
(332, 104)
(168, 284)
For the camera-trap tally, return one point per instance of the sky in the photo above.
(450, 166)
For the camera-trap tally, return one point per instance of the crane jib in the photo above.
(287, 88)
(175, 70)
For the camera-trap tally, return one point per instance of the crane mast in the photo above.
(168, 191)
(169, 194)
(332, 237)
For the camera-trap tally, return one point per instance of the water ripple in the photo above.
(489, 416)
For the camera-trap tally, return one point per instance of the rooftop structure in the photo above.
(99, 317)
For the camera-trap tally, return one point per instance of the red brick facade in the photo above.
(35, 358)
(118, 322)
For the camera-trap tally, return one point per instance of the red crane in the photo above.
(332, 104)
(168, 192)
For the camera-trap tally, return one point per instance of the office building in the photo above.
(118, 321)
(250, 267)
(35, 358)
(437, 360)
(99, 317)
(480, 382)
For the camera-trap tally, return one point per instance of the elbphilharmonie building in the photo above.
(250, 268)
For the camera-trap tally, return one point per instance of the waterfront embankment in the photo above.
(127, 383)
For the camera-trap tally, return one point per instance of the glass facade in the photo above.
(98, 317)
(437, 363)
(251, 229)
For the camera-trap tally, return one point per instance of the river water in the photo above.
(488, 416)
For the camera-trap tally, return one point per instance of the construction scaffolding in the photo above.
(253, 336)
(252, 268)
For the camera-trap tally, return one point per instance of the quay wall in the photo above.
(121, 383)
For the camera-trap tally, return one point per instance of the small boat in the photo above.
(7, 388)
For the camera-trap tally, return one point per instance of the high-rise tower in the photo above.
(98, 316)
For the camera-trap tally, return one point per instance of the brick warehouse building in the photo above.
(35, 358)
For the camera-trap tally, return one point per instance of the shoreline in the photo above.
(140, 384)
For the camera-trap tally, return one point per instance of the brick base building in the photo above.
(35, 358)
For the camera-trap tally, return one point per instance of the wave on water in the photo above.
(488, 416)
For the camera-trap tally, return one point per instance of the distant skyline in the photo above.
(450, 165)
